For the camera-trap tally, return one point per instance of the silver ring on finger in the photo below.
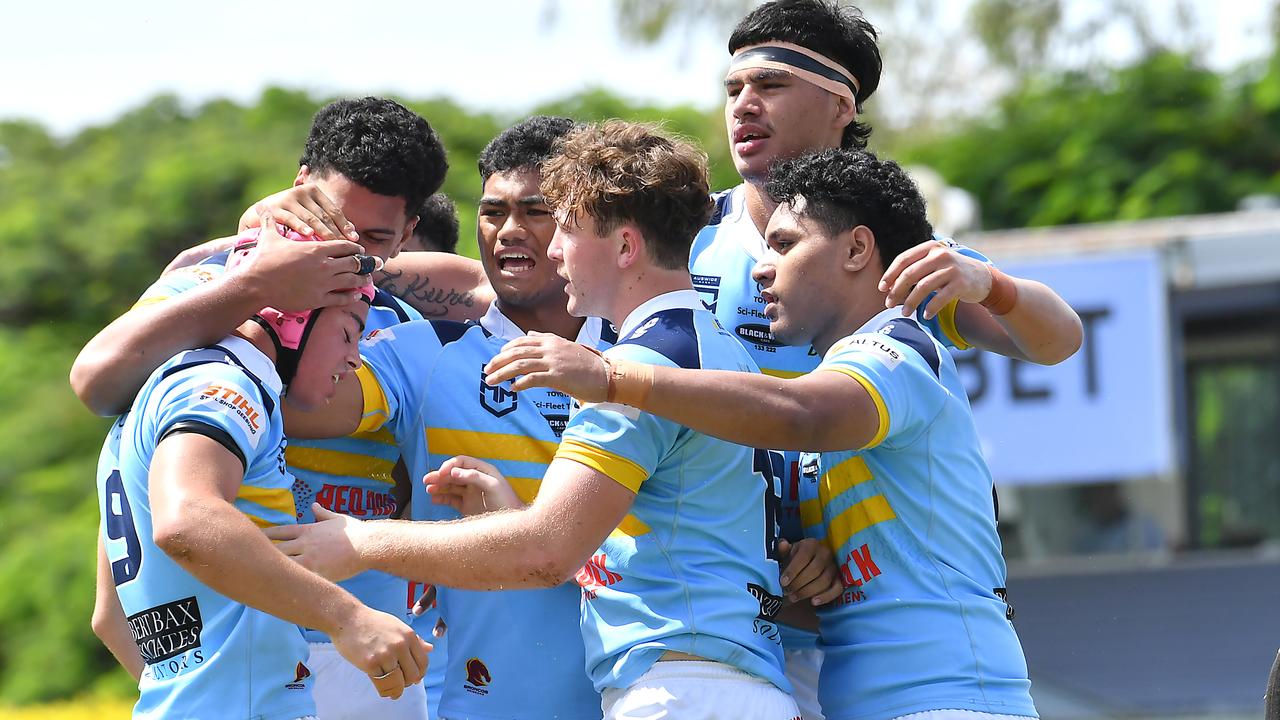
(386, 674)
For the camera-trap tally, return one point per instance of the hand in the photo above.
(197, 253)
(306, 210)
(296, 276)
(329, 547)
(384, 648)
(547, 360)
(934, 267)
(809, 572)
(470, 486)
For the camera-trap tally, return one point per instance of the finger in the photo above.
(322, 513)
(291, 220)
(835, 590)
(802, 575)
(440, 629)
(390, 686)
(910, 277)
(509, 354)
(473, 463)
(334, 249)
(940, 300)
(411, 667)
(902, 261)
(283, 532)
(533, 380)
(814, 585)
(341, 224)
(290, 548)
(923, 289)
(320, 219)
(267, 225)
(420, 649)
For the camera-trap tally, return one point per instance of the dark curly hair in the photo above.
(380, 145)
(620, 172)
(437, 227)
(838, 31)
(523, 146)
(846, 188)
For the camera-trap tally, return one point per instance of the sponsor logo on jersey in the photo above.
(498, 400)
(708, 286)
(168, 630)
(873, 346)
(645, 328)
(378, 336)
(300, 674)
(757, 334)
(477, 677)
(595, 575)
(858, 567)
(249, 412)
(770, 604)
(356, 501)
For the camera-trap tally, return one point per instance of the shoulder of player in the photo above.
(419, 334)
(392, 309)
(894, 341)
(668, 337)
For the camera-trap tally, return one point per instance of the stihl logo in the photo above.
(231, 397)
(594, 575)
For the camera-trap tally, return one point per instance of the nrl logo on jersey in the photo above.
(499, 401)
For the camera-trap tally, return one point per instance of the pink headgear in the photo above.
(288, 330)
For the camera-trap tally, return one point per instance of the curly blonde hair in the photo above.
(620, 172)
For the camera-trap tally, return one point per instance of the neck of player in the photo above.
(759, 205)
(547, 317)
(258, 337)
(638, 287)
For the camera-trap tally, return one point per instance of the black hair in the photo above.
(837, 31)
(438, 224)
(523, 146)
(846, 188)
(380, 145)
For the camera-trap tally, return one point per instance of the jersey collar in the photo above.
(501, 327)
(253, 360)
(676, 299)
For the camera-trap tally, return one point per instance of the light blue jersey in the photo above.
(205, 655)
(720, 261)
(515, 653)
(350, 475)
(688, 570)
(922, 624)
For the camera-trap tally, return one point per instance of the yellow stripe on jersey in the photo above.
(154, 300)
(631, 526)
(882, 412)
(333, 462)
(381, 435)
(278, 499)
(376, 411)
(260, 522)
(851, 472)
(857, 518)
(623, 471)
(526, 488)
(947, 322)
(490, 446)
(784, 374)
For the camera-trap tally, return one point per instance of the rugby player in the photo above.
(665, 528)
(198, 468)
(900, 491)
(378, 162)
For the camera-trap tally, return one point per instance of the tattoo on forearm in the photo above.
(432, 302)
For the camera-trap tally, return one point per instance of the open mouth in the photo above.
(515, 262)
(748, 138)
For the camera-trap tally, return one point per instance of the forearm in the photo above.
(1040, 328)
(497, 551)
(113, 366)
(109, 622)
(441, 286)
(226, 551)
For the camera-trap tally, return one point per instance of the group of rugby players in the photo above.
(592, 508)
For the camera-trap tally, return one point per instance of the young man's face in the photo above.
(513, 231)
(589, 263)
(772, 115)
(799, 277)
(332, 350)
(380, 219)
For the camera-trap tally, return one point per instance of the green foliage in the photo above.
(1163, 137)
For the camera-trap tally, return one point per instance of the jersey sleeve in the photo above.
(899, 368)
(176, 282)
(215, 400)
(397, 362)
(618, 440)
(943, 325)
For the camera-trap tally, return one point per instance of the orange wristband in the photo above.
(1003, 295)
(629, 382)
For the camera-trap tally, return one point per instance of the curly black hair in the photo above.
(838, 31)
(380, 145)
(846, 188)
(523, 146)
(437, 227)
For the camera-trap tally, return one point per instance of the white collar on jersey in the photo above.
(740, 227)
(254, 361)
(686, 299)
(501, 327)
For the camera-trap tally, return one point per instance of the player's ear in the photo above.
(858, 245)
(630, 245)
(304, 174)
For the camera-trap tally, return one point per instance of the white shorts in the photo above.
(343, 692)
(803, 668)
(960, 715)
(698, 690)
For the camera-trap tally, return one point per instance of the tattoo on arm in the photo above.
(432, 302)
